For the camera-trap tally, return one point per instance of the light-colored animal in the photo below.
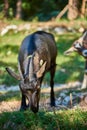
(80, 46)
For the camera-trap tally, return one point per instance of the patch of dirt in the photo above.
(9, 106)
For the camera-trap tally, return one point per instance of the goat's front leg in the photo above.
(24, 106)
(84, 84)
(52, 97)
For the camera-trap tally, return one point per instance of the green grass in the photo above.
(73, 65)
(10, 96)
(59, 120)
(8, 55)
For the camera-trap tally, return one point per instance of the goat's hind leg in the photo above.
(52, 96)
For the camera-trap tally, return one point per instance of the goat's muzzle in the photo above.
(35, 101)
(34, 109)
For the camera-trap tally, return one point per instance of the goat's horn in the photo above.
(81, 39)
(13, 74)
(70, 50)
(84, 35)
(30, 69)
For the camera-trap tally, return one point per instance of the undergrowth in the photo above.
(56, 120)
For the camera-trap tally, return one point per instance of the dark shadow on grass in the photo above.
(8, 96)
(5, 64)
(5, 78)
(12, 48)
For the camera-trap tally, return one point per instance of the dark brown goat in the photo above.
(37, 55)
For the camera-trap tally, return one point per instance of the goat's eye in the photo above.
(77, 45)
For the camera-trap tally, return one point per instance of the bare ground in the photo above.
(9, 106)
(14, 105)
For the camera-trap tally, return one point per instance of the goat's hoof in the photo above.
(23, 108)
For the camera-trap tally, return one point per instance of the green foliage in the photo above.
(1, 15)
(44, 10)
(63, 120)
(8, 56)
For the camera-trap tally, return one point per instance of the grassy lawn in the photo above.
(69, 68)
(59, 120)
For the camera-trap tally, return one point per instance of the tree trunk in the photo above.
(73, 11)
(5, 9)
(83, 8)
(19, 9)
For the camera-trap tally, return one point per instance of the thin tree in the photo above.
(73, 11)
(19, 9)
(6, 8)
(83, 8)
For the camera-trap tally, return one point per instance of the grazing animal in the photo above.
(80, 46)
(37, 55)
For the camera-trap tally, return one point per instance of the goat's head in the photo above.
(31, 89)
(30, 84)
(79, 46)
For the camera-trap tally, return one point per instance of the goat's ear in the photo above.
(41, 70)
(13, 74)
(70, 50)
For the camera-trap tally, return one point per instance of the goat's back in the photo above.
(39, 41)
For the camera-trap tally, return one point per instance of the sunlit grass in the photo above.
(9, 48)
(69, 68)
